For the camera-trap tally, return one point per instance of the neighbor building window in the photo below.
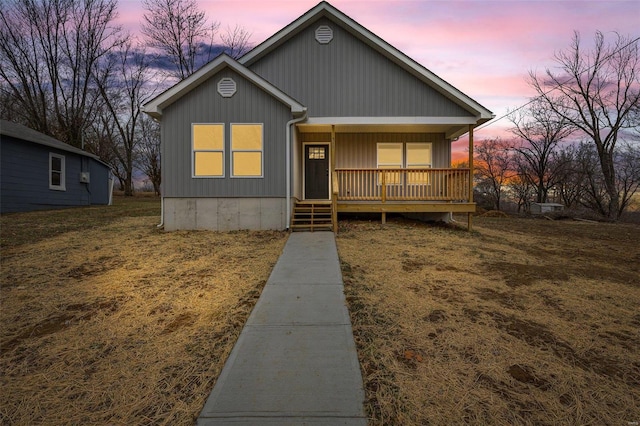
(418, 156)
(246, 150)
(390, 157)
(208, 150)
(56, 172)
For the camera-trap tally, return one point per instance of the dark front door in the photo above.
(316, 172)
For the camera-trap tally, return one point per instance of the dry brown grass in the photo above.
(108, 320)
(522, 321)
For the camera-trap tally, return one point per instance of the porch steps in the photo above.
(312, 216)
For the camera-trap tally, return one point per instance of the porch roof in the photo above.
(452, 127)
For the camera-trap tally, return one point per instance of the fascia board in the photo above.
(394, 120)
(155, 106)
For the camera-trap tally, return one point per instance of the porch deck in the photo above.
(401, 191)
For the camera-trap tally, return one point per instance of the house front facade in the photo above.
(323, 116)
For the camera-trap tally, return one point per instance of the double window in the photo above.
(56, 172)
(208, 143)
(410, 155)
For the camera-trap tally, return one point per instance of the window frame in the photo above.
(397, 181)
(63, 175)
(194, 151)
(233, 151)
(418, 165)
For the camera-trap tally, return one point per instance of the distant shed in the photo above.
(38, 172)
(543, 208)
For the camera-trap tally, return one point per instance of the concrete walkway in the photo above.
(295, 362)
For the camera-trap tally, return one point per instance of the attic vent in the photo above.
(226, 87)
(324, 34)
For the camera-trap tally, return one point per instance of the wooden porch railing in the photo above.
(402, 184)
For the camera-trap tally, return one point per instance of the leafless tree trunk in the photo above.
(48, 50)
(596, 91)
(180, 32)
(494, 164)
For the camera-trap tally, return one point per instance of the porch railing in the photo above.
(403, 185)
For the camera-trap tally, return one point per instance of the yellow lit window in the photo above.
(208, 150)
(246, 150)
(389, 157)
(418, 157)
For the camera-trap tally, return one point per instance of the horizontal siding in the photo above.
(24, 184)
(347, 78)
(204, 105)
(358, 150)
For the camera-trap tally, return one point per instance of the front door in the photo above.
(316, 172)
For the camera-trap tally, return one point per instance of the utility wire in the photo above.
(489, 123)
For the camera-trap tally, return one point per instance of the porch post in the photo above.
(470, 215)
(332, 174)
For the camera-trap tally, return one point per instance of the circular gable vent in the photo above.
(324, 34)
(226, 87)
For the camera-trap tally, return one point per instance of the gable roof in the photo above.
(324, 9)
(18, 131)
(155, 106)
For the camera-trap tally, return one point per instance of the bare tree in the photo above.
(494, 166)
(48, 50)
(236, 41)
(571, 182)
(540, 130)
(179, 30)
(596, 91)
(627, 163)
(123, 82)
(149, 151)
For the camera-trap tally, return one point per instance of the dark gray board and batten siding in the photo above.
(249, 104)
(348, 78)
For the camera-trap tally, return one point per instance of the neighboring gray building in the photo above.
(324, 116)
(38, 172)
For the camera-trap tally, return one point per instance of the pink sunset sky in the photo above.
(484, 48)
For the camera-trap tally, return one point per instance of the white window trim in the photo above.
(193, 152)
(261, 151)
(400, 166)
(63, 174)
(418, 165)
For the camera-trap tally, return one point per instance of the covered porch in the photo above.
(373, 168)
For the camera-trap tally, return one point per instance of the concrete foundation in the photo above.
(225, 214)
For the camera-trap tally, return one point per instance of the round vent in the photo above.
(324, 34)
(227, 87)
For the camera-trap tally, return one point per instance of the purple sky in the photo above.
(484, 48)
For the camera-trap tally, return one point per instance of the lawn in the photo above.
(107, 320)
(523, 321)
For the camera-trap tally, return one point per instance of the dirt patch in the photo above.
(523, 321)
(131, 325)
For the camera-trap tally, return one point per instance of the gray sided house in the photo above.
(323, 117)
(38, 172)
